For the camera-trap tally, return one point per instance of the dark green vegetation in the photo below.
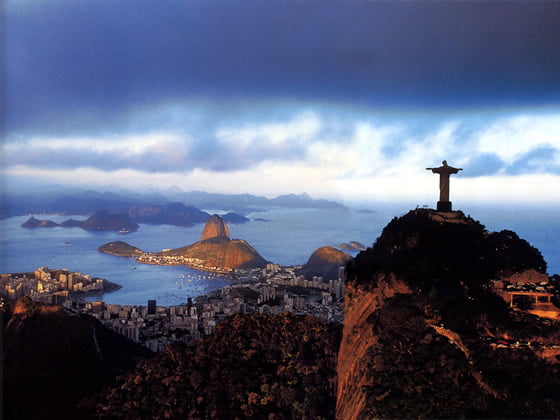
(121, 249)
(52, 358)
(429, 254)
(413, 369)
(418, 373)
(253, 366)
(450, 263)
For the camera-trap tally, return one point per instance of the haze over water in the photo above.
(285, 236)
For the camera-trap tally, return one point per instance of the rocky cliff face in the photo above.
(425, 336)
(214, 227)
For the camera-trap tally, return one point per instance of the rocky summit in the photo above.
(426, 335)
(215, 227)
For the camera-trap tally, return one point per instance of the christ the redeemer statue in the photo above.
(444, 172)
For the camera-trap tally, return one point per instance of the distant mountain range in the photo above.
(99, 221)
(64, 201)
(169, 214)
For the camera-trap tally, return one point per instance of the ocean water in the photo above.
(284, 236)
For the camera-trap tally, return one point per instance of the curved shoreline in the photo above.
(108, 287)
(136, 257)
(216, 270)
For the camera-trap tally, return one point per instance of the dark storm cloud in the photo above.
(74, 65)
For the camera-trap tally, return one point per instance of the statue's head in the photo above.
(444, 163)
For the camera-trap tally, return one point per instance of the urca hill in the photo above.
(429, 333)
(215, 251)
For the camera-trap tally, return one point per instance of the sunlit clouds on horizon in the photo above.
(352, 157)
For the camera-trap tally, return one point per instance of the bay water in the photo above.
(283, 236)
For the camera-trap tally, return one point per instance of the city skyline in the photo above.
(342, 100)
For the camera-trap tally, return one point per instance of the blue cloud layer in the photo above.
(357, 145)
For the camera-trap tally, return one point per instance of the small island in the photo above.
(176, 214)
(120, 249)
(99, 221)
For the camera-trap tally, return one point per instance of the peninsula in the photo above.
(215, 251)
(53, 286)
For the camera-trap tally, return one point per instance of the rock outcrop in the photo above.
(215, 253)
(216, 248)
(425, 336)
(215, 227)
(325, 262)
(221, 252)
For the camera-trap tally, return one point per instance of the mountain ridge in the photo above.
(420, 304)
(84, 202)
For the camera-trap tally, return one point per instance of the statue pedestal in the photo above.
(444, 206)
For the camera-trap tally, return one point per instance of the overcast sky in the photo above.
(341, 99)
